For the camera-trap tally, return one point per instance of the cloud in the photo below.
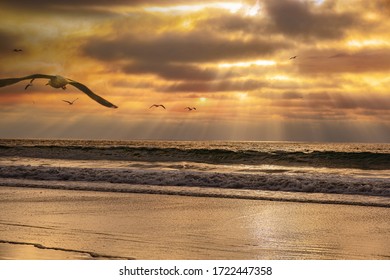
(333, 101)
(96, 2)
(224, 21)
(189, 47)
(177, 55)
(171, 71)
(57, 5)
(123, 49)
(9, 41)
(299, 19)
(339, 61)
(69, 9)
(229, 85)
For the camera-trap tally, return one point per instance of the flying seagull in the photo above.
(190, 109)
(156, 105)
(18, 50)
(59, 82)
(70, 102)
(294, 57)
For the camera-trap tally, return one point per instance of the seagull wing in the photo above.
(163, 106)
(152, 106)
(67, 101)
(92, 95)
(11, 81)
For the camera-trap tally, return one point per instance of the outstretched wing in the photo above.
(92, 95)
(163, 106)
(11, 81)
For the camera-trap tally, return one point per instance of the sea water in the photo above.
(342, 173)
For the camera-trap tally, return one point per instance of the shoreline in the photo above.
(17, 251)
(150, 226)
(248, 194)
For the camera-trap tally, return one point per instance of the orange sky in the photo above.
(229, 59)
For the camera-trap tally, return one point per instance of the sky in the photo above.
(229, 59)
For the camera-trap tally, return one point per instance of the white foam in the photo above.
(359, 200)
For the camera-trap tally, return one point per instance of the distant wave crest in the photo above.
(333, 159)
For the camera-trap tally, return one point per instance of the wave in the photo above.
(302, 168)
(281, 196)
(332, 159)
(296, 182)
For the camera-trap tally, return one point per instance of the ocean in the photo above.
(334, 173)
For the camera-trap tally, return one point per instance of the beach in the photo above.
(191, 200)
(61, 224)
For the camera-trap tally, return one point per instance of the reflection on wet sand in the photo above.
(145, 226)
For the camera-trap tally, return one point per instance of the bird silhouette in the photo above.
(190, 109)
(157, 105)
(59, 82)
(294, 57)
(70, 102)
(18, 50)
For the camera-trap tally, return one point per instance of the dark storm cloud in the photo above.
(298, 18)
(180, 47)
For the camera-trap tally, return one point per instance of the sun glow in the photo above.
(366, 43)
(279, 78)
(253, 10)
(242, 96)
(248, 63)
(230, 6)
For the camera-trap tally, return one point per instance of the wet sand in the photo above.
(59, 224)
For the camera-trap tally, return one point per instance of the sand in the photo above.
(59, 224)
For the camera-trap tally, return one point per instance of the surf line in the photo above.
(185, 191)
(40, 246)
